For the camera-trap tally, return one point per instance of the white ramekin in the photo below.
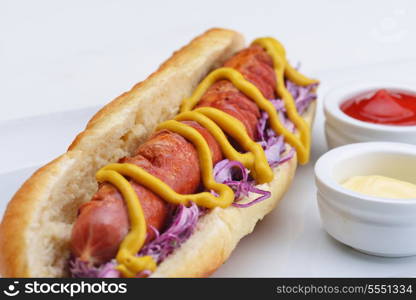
(377, 226)
(341, 129)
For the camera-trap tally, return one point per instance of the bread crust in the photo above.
(35, 231)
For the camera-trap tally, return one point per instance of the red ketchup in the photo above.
(383, 107)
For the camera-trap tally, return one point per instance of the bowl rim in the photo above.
(337, 95)
(323, 170)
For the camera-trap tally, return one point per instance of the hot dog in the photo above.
(103, 223)
(94, 241)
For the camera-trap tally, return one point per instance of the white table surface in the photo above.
(60, 55)
(58, 64)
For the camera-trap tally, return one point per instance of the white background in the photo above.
(59, 55)
(70, 57)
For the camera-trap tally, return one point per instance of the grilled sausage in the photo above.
(103, 222)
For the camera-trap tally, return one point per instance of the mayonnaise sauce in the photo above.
(381, 186)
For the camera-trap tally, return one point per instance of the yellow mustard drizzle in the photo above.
(135, 239)
(217, 123)
(254, 93)
(282, 68)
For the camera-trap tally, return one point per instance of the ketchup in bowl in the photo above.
(383, 107)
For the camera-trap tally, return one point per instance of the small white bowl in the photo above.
(341, 129)
(377, 226)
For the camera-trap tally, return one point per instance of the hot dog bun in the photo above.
(35, 231)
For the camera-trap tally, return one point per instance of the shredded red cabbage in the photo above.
(183, 223)
(272, 144)
(181, 228)
(235, 175)
(303, 95)
(232, 173)
(81, 269)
